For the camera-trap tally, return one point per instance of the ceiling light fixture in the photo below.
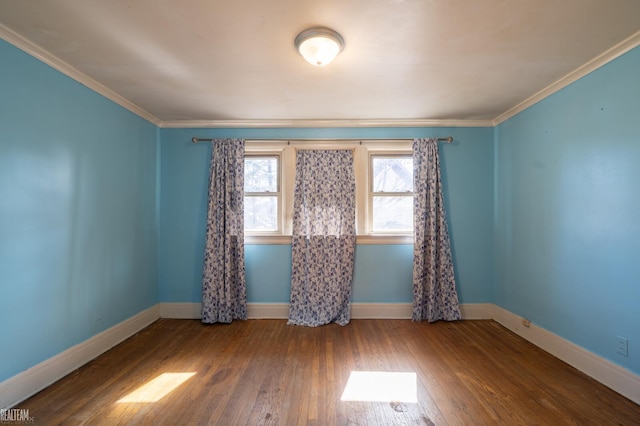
(319, 45)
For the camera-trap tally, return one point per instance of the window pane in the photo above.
(261, 174)
(392, 174)
(261, 213)
(392, 214)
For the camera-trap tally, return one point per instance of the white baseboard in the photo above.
(476, 311)
(179, 310)
(23, 385)
(606, 372)
(254, 310)
(358, 310)
(381, 310)
(268, 310)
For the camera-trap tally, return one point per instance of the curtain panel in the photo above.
(434, 286)
(323, 240)
(223, 280)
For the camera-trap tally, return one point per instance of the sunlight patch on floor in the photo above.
(381, 386)
(157, 388)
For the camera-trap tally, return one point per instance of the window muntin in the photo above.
(391, 193)
(262, 194)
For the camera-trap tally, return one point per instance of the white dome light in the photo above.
(319, 46)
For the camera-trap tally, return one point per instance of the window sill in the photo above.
(384, 239)
(360, 239)
(267, 239)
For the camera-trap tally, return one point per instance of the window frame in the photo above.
(363, 149)
(371, 193)
(278, 193)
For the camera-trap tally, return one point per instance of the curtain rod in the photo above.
(448, 139)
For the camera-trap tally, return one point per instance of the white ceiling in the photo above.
(233, 61)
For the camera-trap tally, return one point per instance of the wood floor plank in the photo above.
(265, 372)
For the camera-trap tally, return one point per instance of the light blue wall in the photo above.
(101, 212)
(382, 273)
(567, 212)
(78, 228)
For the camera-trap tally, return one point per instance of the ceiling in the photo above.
(229, 62)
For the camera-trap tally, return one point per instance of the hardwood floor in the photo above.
(264, 372)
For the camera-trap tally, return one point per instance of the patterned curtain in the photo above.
(324, 238)
(223, 279)
(434, 285)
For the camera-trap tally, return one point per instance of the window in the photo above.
(262, 193)
(384, 189)
(391, 193)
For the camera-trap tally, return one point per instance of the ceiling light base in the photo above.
(319, 45)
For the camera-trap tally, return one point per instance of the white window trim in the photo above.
(279, 192)
(362, 152)
(370, 193)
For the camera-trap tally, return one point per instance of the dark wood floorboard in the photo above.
(265, 372)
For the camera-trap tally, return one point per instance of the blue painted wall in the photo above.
(567, 212)
(102, 212)
(382, 273)
(78, 227)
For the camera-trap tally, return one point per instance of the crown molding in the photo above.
(204, 124)
(607, 56)
(39, 53)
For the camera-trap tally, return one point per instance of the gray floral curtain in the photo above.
(434, 284)
(223, 280)
(324, 238)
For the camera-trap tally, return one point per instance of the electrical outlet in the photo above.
(623, 346)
